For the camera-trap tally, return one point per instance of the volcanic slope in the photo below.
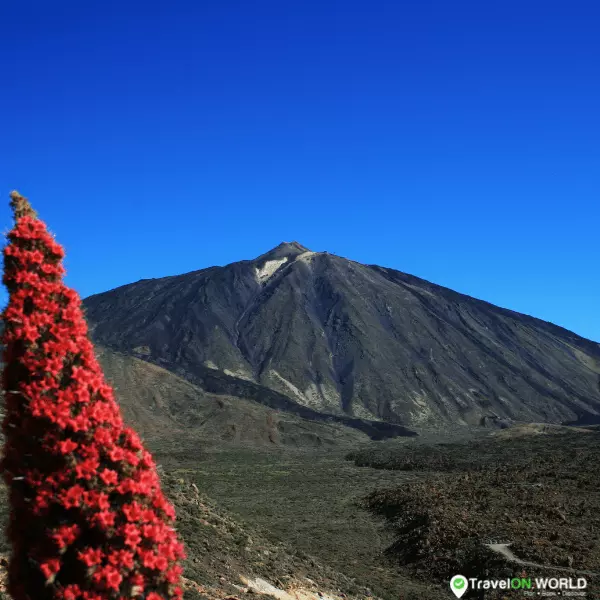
(173, 414)
(312, 330)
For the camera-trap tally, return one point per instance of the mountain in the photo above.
(313, 333)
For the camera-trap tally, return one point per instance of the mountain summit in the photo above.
(333, 336)
(285, 249)
(271, 261)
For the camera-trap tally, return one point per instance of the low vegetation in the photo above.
(538, 493)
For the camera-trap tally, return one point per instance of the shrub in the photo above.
(88, 517)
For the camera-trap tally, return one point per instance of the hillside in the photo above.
(168, 409)
(228, 558)
(294, 328)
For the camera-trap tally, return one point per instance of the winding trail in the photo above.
(505, 551)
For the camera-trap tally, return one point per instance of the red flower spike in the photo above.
(50, 568)
(87, 476)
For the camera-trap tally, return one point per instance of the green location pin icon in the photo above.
(459, 585)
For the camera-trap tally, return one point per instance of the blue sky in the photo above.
(457, 141)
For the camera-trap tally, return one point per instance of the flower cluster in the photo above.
(88, 517)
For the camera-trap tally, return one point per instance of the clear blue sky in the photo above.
(457, 141)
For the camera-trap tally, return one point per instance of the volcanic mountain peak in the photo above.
(287, 250)
(267, 264)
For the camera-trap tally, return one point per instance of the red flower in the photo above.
(81, 395)
(41, 501)
(127, 486)
(102, 436)
(90, 556)
(79, 423)
(149, 516)
(50, 567)
(147, 460)
(89, 451)
(171, 550)
(96, 499)
(173, 573)
(72, 496)
(109, 576)
(66, 535)
(156, 532)
(116, 454)
(84, 468)
(71, 592)
(121, 557)
(132, 440)
(132, 535)
(132, 458)
(104, 519)
(109, 477)
(113, 578)
(161, 563)
(147, 557)
(133, 512)
(67, 446)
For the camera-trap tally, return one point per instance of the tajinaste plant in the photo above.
(88, 517)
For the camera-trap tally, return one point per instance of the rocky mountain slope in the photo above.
(166, 408)
(161, 404)
(302, 330)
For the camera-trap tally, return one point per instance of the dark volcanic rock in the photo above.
(335, 336)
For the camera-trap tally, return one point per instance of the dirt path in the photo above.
(505, 551)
